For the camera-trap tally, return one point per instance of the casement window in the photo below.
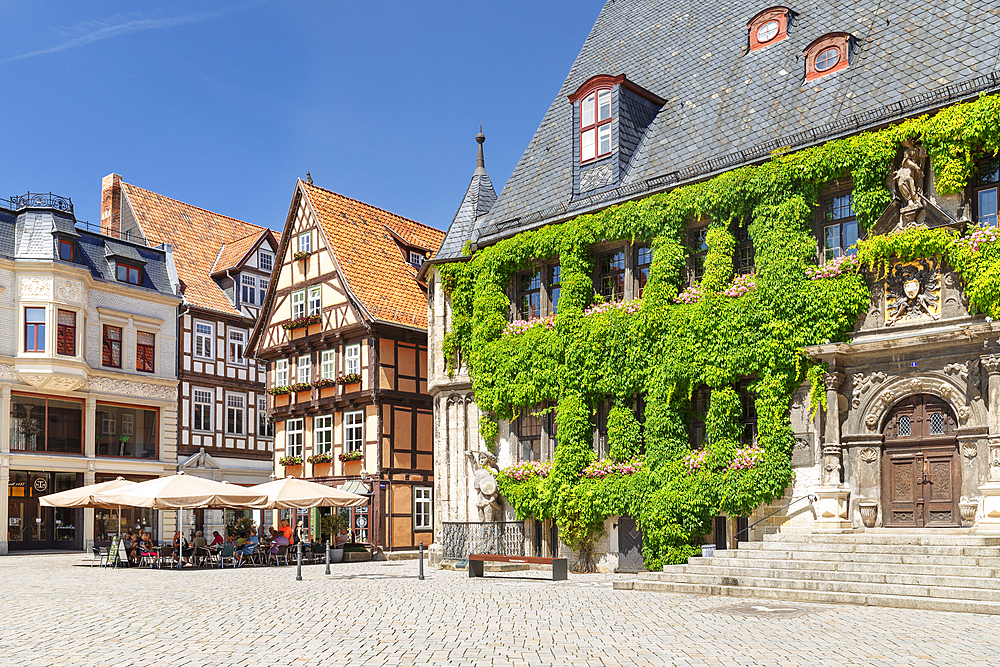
(699, 250)
(555, 284)
(111, 349)
(145, 351)
(612, 275)
(422, 504)
(315, 300)
(643, 260)
(354, 430)
(235, 414)
(265, 427)
(595, 125)
(66, 333)
(109, 423)
(985, 192)
(265, 260)
(305, 242)
(281, 373)
(352, 359)
(126, 273)
(262, 284)
(249, 284)
(293, 437)
(34, 329)
(204, 340)
(328, 364)
(529, 295)
(202, 401)
(66, 250)
(840, 227)
(298, 304)
(552, 426)
(416, 259)
(699, 411)
(748, 412)
(529, 434)
(323, 432)
(303, 369)
(237, 341)
(743, 258)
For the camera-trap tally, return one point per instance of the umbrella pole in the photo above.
(180, 540)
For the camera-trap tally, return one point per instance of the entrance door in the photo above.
(629, 545)
(921, 477)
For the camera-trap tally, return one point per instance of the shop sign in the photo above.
(40, 485)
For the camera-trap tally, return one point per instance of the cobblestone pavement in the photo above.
(59, 612)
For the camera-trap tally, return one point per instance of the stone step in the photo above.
(853, 557)
(835, 541)
(860, 576)
(846, 566)
(854, 587)
(828, 597)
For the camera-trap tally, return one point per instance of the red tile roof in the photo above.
(201, 240)
(361, 239)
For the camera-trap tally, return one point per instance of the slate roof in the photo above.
(726, 107)
(197, 237)
(370, 259)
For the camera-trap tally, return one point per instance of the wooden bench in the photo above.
(478, 561)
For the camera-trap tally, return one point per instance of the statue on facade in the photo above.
(484, 483)
(909, 181)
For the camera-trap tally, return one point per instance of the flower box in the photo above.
(325, 383)
(319, 458)
(301, 254)
(287, 461)
(300, 386)
(350, 456)
(279, 391)
(301, 322)
(350, 378)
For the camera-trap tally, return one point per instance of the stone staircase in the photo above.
(943, 569)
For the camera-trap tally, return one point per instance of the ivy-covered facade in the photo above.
(647, 349)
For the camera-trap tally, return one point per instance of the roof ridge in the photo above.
(183, 203)
(377, 208)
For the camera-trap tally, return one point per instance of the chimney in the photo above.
(111, 204)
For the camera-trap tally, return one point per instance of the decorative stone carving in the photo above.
(869, 512)
(36, 287)
(802, 452)
(863, 385)
(992, 364)
(913, 291)
(969, 450)
(975, 379)
(869, 455)
(909, 181)
(69, 290)
(832, 381)
(6, 372)
(33, 380)
(964, 412)
(968, 512)
(484, 483)
(128, 387)
(871, 421)
(950, 280)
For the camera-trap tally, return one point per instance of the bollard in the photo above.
(328, 556)
(298, 563)
(421, 576)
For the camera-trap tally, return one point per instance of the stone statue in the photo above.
(485, 485)
(909, 180)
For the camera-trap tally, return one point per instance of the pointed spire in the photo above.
(481, 161)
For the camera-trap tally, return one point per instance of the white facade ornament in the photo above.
(869, 454)
(871, 421)
(36, 287)
(969, 450)
(964, 412)
(862, 385)
(6, 372)
(69, 290)
(128, 387)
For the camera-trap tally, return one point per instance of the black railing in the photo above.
(500, 538)
(743, 532)
(41, 200)
(129, 235)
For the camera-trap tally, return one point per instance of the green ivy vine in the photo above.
(749, 328)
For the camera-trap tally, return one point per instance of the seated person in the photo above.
(199, 549)
(216, 539)
(341, 540)
(248, 546)
(279, 541)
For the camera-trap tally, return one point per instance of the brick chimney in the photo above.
(111, 204)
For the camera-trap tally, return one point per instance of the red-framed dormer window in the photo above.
(768, 27)
(129, 274)
(595, 125)
(828, 54)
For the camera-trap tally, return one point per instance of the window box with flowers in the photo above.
(279, 391)
(301, 254)
(288, 461)
(350, 456)
(320, 458)
(301, 322)
(350, 378)
(324, 383)
(300, 386)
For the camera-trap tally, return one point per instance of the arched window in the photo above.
(769, 27)
(595, 125)
(828, 54)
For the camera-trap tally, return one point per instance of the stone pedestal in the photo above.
(988, 516)
(831, 509)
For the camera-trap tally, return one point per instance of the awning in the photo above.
(356, 486)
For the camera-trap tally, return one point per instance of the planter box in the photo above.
(352, 387)
(294, 471)
(355, 557)
(322, 469)
(353, 468)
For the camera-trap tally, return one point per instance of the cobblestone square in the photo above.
(62, 612)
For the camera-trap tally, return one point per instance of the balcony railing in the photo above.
(41, 200)
(500, 538)
(129, 235)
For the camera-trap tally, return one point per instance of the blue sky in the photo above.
(223, 104)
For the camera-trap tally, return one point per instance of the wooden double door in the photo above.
(921, 469)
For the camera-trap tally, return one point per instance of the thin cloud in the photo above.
(96, 32)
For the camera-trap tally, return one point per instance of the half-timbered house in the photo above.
(222, 267)
(344, 337)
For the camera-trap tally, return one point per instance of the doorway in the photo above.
(629, 545)
(921, 472)
(30, 526)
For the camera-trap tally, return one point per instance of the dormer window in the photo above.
(595, 125)
(416, 259)
(265, 260)
(127, 273)
(66, 250)
(769, 27)
(828, 54)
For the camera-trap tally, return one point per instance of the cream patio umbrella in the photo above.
(84, 497)
(294, 493)
(181, 491)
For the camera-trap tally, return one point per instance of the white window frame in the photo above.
(294, 429)
(423, 508)
(236, 405)
(315, 301)
(280, 373)
(352, 359)
(323, 434)
(298, 304)
(415, 259)
(206, 423)
(262, 284)
(328, 364)
(128, 423)
(265, 427)
(354, 431)
(109, 425)
(248, 285)
(304, 242)
(270, 260)
(303, 369)
(204, 343)
(242, 341)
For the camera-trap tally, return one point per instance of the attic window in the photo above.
(828, 54)
(127, 273)
(769, 27)
(416, 259)
(66, 250)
